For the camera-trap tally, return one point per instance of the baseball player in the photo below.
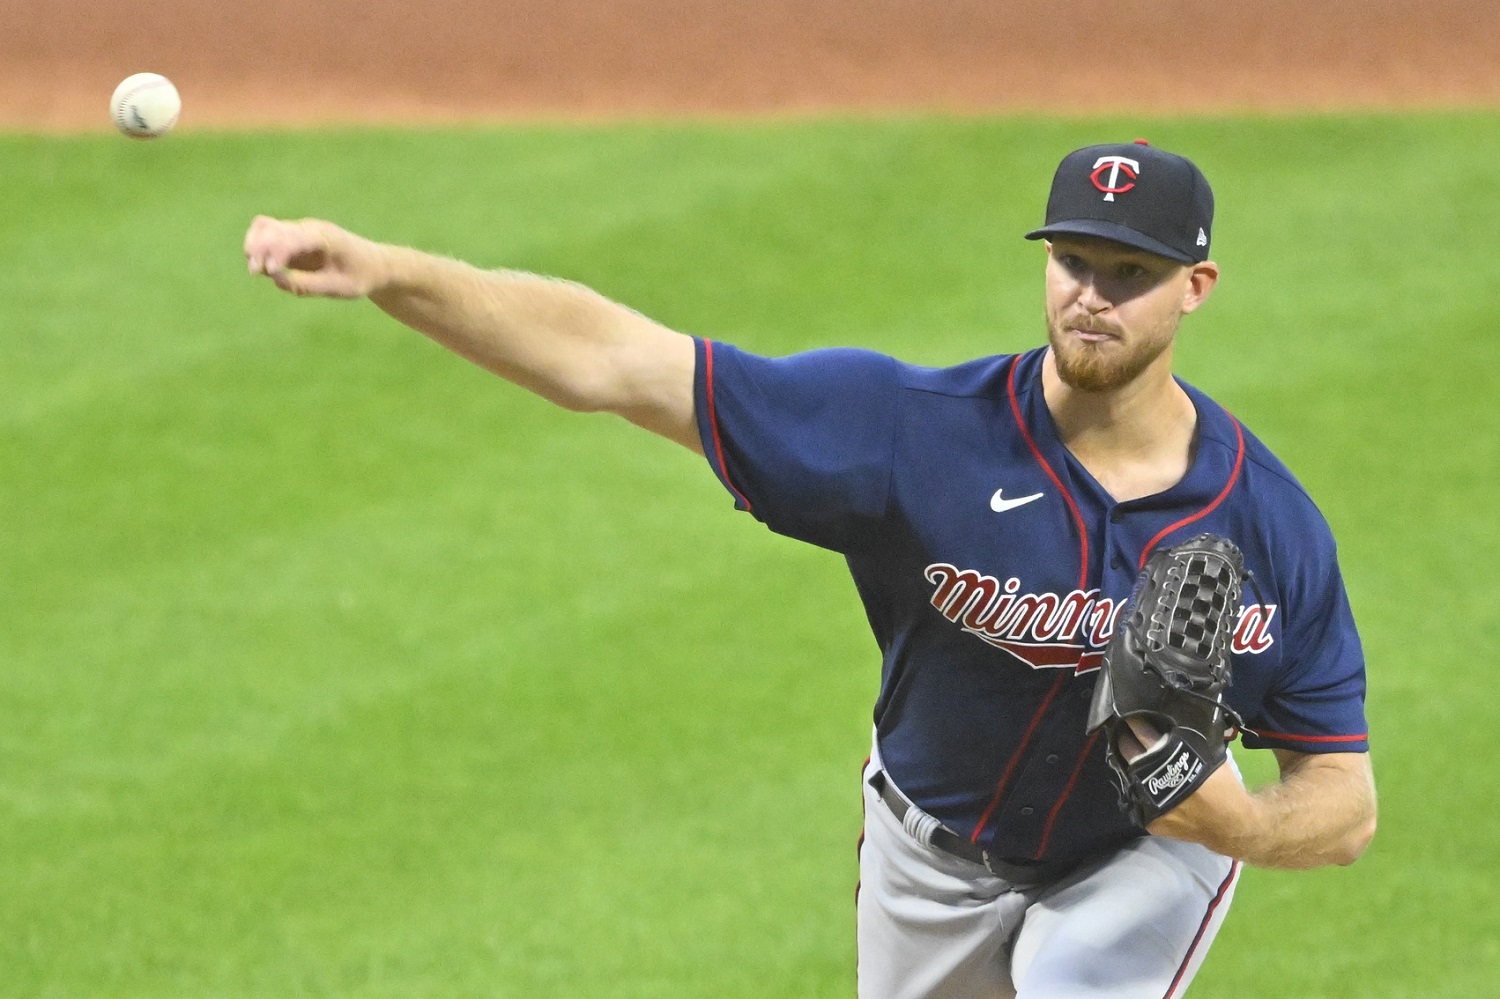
(994, 516)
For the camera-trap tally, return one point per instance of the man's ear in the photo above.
(1200, 284)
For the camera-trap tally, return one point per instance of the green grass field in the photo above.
(331, 666)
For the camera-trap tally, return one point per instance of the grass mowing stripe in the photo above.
(332, 667)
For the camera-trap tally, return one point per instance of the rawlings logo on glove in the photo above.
(1166, 666)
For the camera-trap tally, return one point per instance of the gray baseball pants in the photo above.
(1134, 925)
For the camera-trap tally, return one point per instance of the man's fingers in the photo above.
(1137, 736)
(272, 245)
(287, 281)
(261, 243)
(321, 283)
(301, 282)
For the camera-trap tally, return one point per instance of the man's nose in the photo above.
(1090, 299)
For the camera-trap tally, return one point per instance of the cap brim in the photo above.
(1115, 233)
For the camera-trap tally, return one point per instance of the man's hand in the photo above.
(312, 257)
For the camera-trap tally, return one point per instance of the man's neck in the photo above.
(1136, 440)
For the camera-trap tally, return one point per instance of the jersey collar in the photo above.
(1215, 466)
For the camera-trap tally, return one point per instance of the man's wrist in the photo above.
(383, 267)
(1221, 815)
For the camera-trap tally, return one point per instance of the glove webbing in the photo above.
(1183, 685)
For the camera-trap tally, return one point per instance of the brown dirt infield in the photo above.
(305, 61)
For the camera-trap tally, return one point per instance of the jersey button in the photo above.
(1053, 759)
(1027, 810)
(1118, 562)
(1116, 515)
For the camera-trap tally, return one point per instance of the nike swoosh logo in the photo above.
(1000, 504)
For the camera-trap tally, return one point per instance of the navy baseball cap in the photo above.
(1132, 193)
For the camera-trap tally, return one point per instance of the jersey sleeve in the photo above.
(804, 443)
(1318, 704)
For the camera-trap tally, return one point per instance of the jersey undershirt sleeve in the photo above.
(805, 442)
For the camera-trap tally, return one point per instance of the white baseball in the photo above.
(145, 105)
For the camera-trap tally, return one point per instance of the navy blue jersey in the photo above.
(992, 566)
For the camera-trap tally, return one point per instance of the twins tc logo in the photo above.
(1117, 165)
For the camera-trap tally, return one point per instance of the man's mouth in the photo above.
(1093, 334)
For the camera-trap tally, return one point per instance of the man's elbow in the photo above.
(1356, 842)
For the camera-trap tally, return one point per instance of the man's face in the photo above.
(1111, 310)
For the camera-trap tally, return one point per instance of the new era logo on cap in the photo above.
(1132, 193)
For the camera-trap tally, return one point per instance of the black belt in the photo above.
(1025, 874)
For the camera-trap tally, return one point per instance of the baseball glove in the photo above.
(1167, 664)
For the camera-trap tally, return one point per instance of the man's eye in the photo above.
(1072, 262)
(1129, 272)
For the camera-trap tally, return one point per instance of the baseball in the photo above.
(145, 105)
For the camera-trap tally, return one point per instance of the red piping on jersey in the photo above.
(1083, 534)
(713, 419)
(1016, 757)
(1311, 738)
(1072, 780)
(1234, 872)
(1234, 476)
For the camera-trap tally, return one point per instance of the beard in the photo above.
(1104, 367)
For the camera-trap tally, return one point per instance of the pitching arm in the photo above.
(558, 339)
